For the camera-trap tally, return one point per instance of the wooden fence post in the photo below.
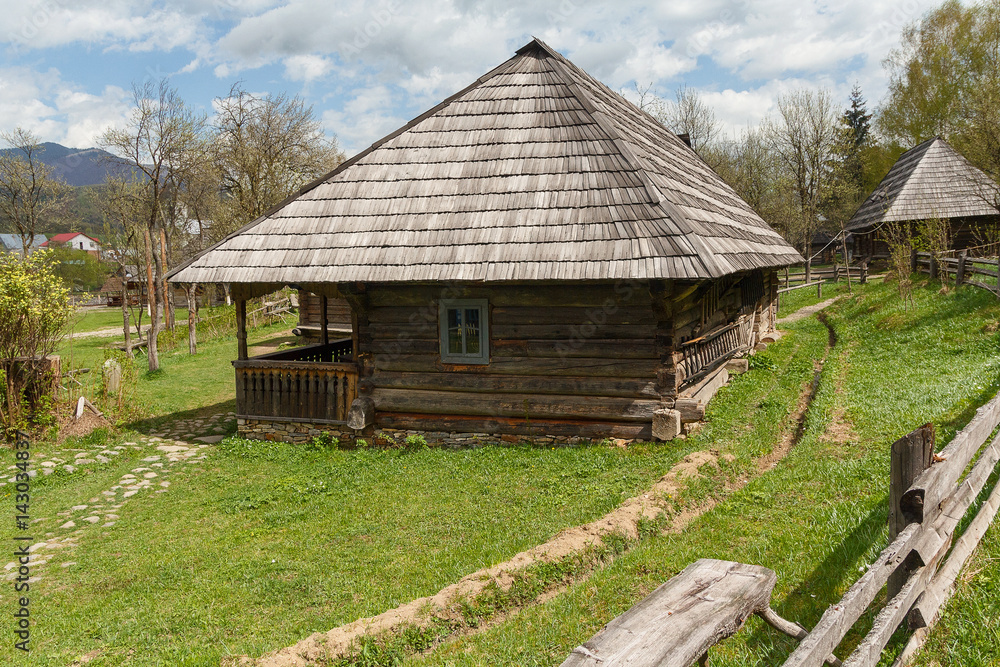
(998, 275)
(910, 456)
(934, 266)
(786, 276)
(913, 260)
(960, 272)
(819, 289)
(864, 273)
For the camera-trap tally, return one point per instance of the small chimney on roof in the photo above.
(686, 138)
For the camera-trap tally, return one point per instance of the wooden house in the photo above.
(930, 181)
(534, 257)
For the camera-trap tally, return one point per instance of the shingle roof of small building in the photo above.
(931, 180)
(534, 172)
(13, 241)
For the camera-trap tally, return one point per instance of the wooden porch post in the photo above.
(241, 328)
(324, 334)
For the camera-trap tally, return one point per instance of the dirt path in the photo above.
(114, 331)
(806, 311)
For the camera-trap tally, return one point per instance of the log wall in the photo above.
(593, 360)
(338, 313)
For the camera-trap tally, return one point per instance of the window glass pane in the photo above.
(455, 331)
(472, 331)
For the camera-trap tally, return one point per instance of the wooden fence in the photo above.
(964, 270)
(931, 494)
(837, 272)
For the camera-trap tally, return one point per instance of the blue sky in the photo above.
(67, 66)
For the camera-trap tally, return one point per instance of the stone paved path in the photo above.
(162, 454)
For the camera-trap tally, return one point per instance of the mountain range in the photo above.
(77, 166)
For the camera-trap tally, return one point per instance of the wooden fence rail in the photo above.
(920, 560)
(959, 269)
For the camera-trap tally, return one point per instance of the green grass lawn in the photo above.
(262, 543)
(819, 517)
(186, 385)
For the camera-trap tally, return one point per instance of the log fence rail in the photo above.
(930, 495)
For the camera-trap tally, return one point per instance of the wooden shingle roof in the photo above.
(534, 172)
(931, 180)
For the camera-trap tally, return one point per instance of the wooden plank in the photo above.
(869, 651)
(553, 314)
(942, 586)
(632, 368)
(529, 406)
(496, 426)
(544, 295)
(676, 624)
(571, 330)
(508, 384)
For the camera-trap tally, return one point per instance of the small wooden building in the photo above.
(534, 257)
(930, 181)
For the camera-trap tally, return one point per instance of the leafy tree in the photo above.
(34, 307)
(78, 268)
(29, 195)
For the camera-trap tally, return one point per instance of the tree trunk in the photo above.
(168, 297)
(192, 299)
(126, 325)
(154, 306)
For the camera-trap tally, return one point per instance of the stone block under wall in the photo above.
(302, 432)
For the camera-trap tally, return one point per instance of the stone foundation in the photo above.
(300, 432)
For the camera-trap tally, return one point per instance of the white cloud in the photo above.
(306, 67)
(364, 119)
(57, 110)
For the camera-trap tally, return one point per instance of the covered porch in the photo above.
(314, 383)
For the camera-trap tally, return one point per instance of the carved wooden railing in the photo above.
(309, 384)
(702, 355)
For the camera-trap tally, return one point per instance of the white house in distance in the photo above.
(77, 241)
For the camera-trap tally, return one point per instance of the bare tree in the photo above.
(124, 208)
(804, 141)
(265, 148)
(157, 141)
(29, 195)
(690, 115)
(752, 169)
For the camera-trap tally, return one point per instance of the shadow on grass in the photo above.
(823, 586)
(160, 421)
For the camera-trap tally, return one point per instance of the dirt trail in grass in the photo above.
(656, 503)
(803, 313)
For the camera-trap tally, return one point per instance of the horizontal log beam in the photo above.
(633, 368)
(506, 384)
(514, 426)
(527, 406)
